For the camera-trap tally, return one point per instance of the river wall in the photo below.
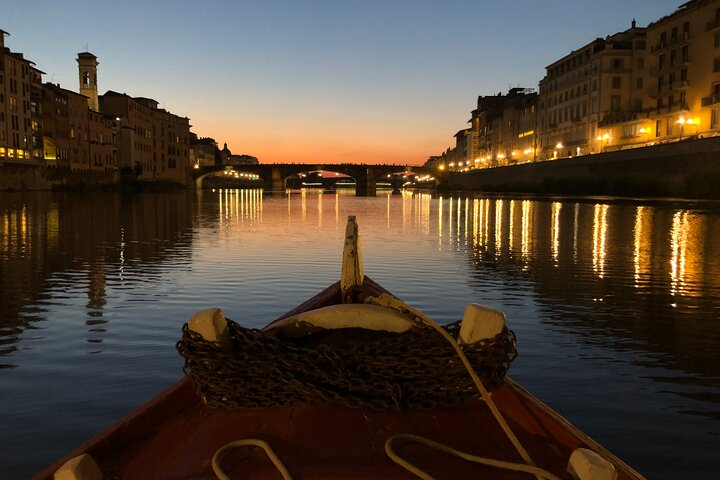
(689, 168)
(37, 177)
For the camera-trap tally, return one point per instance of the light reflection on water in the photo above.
(615, 303)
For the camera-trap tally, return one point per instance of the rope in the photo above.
(476, 380)
(244, 442)
(528, 467)
(518, 467)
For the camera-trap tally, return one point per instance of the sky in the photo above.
(316, 81)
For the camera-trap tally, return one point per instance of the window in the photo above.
(673, 35)
(673, 56)
(658, 125)
(671, 80)
(615, 103)
(716, 65)
(638, 105)
(617, 63)
(616, 81)
(717, 44)
(714, 118)
(661, 61)
(684, 76)
(630, 131)
(686, 30)
(639, 83)
(640, 63)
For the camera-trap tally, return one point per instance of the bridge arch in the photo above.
(274, 176)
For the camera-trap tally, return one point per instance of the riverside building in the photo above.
(599, 84)
(151, 141)
(20, 124)
(503, 129)
(682, 81)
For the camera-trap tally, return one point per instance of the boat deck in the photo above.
(328, 441)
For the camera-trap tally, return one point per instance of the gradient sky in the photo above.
(323, 81)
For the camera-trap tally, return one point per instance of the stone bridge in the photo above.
(274, 175)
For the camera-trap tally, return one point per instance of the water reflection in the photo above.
(668, 285)
(54, 246)
(599, 239)
(631, 290)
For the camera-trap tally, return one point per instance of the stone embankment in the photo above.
(689, 168)
(35, 177)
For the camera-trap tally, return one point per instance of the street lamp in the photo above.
(694, 122)
(681, 122)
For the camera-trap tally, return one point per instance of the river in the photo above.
(615, 302)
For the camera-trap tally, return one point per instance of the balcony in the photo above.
(683, 38)
(711, 100)
(673, 107)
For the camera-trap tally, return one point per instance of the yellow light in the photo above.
(598, 138)
(513, 153)
(477, 160)
(452, 164)
(559, 145)
(690, 121)
(441, 167)
(642, 130)
(500, 155)
(606, 136)
(528, 151)
(460, 164)
(681, 120)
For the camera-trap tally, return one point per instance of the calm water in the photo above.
(616, 304)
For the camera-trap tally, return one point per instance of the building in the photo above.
(73, 135)
(503, 128)
(684, 74)
(20, 126)
(203, 151)
(598, 85)
(150, 141)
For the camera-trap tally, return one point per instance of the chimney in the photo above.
(2, 38)
(632, 25)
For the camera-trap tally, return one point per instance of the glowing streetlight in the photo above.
(681, 122)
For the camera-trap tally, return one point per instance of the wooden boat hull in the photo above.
(175, 436)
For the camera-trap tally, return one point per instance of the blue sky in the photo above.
(324, 81)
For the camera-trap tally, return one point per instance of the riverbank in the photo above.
(23, 178)
(688, 169)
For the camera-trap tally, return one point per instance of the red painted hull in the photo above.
(174, 436)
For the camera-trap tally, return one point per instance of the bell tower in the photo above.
(87, 70)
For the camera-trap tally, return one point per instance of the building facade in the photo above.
(19, 83)
(598, 85)
(153, 142)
